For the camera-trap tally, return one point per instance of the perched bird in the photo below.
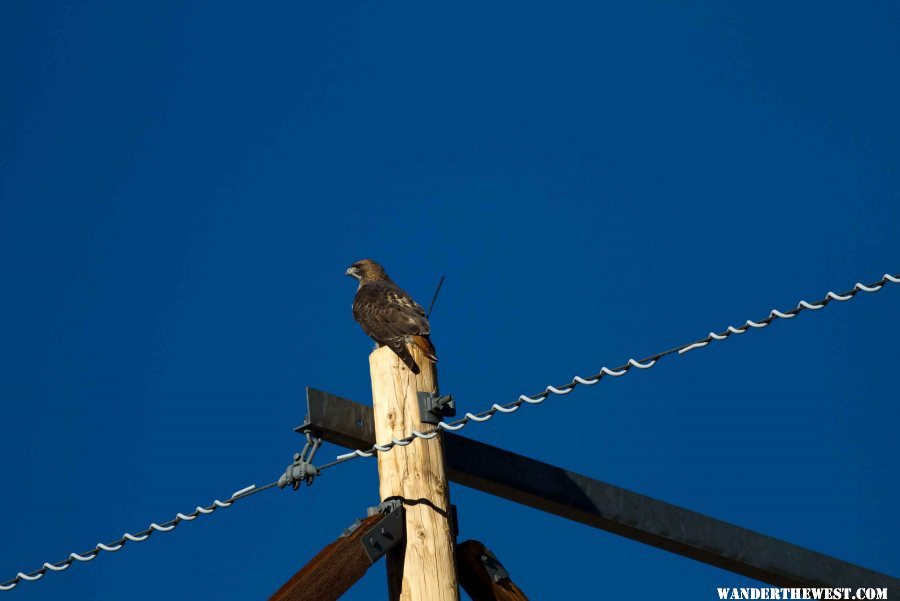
(388, 314)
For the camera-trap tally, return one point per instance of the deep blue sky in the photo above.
(182, 187)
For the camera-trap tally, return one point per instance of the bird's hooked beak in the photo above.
(351, 271)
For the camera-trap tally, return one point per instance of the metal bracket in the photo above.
(454, 521)
(351, 529)
(385, 507)
(493, 567)
(387, 533)
(379, 509)
(432, 408)
(302, 469)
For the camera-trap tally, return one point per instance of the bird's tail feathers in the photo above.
(398, 345)
(425, 345)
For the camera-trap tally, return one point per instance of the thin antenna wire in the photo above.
(436, 292)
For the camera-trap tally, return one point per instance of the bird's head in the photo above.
(367, 270)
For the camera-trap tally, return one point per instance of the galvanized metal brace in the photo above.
(388, 532)
(493, 566)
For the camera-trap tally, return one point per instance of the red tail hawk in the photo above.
(388, 314)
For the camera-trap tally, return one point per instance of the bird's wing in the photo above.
(387, 312)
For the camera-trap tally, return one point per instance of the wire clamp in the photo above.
(302, 469)
(433, 408)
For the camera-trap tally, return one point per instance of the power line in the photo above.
(141, 536)
(483, 416)
(645, 363)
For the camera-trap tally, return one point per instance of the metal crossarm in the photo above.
(611, 508)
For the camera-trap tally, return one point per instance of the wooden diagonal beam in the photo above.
(472, 558)
(333, 571)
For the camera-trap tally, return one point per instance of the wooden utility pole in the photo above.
(423, 568)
